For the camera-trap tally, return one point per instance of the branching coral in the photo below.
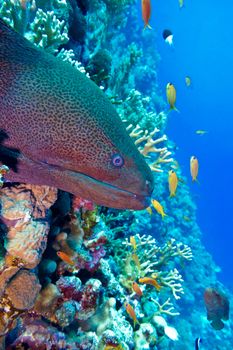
(166, 308)
(147, 145)
(171, 280)
(135, 109)
(47, 31)
(69, 56)
(146, 258)
(17, 13)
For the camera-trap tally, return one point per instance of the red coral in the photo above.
(89, 300)
(79, 203)
(70, 287)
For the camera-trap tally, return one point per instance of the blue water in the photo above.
(203, 50)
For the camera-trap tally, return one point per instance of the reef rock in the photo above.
(25, 212)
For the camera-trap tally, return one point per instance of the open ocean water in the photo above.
(203, 50)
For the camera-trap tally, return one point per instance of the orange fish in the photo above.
(172, 182)
(194, 167)
(146, 12)
(130, 311)
(158, 207)
(133, 242)
(136, 260)
(151, 281)
(137, 289)
(64, 257)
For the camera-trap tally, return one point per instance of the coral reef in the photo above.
(70, 270)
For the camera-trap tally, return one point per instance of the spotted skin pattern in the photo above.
(65, 128)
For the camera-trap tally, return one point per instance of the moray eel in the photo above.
(59, 129)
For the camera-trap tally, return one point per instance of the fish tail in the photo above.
(147, 26)
(175, 109)
(172, 195)
(197, 181)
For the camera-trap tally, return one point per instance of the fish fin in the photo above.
(217, 324)
(9, 157)
(172, 195)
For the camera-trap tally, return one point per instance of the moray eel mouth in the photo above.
(107, 194)
(79, 184)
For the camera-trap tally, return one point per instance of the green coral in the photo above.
(16, 13)
(47, 31)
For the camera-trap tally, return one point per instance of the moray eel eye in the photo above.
(117, 160)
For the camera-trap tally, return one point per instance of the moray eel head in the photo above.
(66, 132)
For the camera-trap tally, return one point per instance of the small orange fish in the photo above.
(64, 257)
(133, 242)
(151, 281)
(136, 260)
(194, 167)
(146, 12)
(158, 207)
(172, 182)
(130, 311)
(137, 289)
(171, 96)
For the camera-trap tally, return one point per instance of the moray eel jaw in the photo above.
(79, 184)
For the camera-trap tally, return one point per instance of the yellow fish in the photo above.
(158, 207)
(133, 242)
(201, 132)
(181, 3)
(113, 347)
(149, 210)
(186, 218)
(194, 167)
(188, 81)
(172, 182)
(130, 311)
(151, 281)
(171, 96)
